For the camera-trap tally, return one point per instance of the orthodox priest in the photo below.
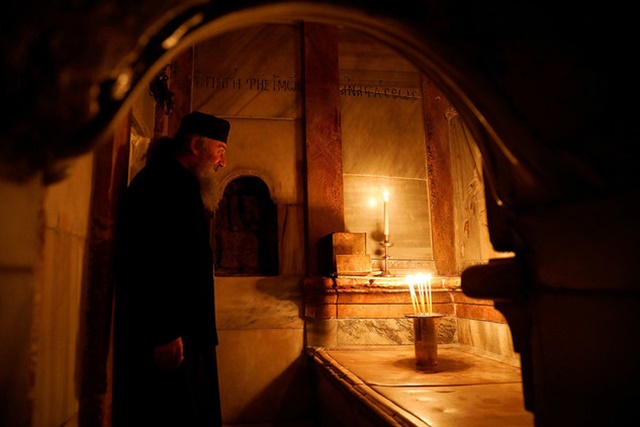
(165, 337)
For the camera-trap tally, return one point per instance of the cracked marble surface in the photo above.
(465, 389)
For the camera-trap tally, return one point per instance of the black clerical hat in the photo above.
(197, 123)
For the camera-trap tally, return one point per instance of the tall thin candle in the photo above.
(430, 307)
(410, 280)
(386, 216)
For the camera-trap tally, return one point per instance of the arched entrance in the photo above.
(574, 120)
(394, 37)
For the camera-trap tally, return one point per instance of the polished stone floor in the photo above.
(465, 390)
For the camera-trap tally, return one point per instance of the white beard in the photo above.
(204, 175)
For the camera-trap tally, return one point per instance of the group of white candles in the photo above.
(420, 289)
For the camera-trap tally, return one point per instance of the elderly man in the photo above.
(164, 329)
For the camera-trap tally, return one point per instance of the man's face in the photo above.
(213, 154)
(210, 157)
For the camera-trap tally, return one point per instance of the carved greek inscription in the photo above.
(379, 90)
(276, 83)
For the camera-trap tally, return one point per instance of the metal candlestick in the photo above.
(386, 257)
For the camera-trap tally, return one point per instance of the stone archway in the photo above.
(394, 36)
(493, 70)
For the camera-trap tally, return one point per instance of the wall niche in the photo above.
(246, 237)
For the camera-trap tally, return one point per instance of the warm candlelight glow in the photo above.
(412, 291)
(429, 293)
(420, 290)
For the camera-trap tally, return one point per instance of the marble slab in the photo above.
(395, 365)
(466, 390)
(481, 405)
(258, 302)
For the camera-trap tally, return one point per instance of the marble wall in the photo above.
(258, 89)
(372, 311)
(20, 217)
(60, 290)
(263, 374)
(383, 147)
(265, 323)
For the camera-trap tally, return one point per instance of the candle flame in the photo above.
(386, 196)
(420, 291)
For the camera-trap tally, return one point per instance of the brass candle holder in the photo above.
(385, 257)
(425, 332)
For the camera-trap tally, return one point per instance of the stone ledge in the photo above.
(380, 386)
(382, 298)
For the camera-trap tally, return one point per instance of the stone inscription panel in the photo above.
(253, 72)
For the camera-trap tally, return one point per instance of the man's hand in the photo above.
(168, 357)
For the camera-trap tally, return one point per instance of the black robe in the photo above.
(164, 290)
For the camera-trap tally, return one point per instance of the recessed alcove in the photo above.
(312, 156)
(394, 131)
(246, 238)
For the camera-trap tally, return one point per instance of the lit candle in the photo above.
(386, 216)
(430, 306)
(412, 291)
(421, 292)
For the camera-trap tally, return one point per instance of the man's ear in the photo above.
(195, 146)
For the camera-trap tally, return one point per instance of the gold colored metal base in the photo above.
(385, 257)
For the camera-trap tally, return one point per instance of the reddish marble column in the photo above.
(439, 178)
(325, 196)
